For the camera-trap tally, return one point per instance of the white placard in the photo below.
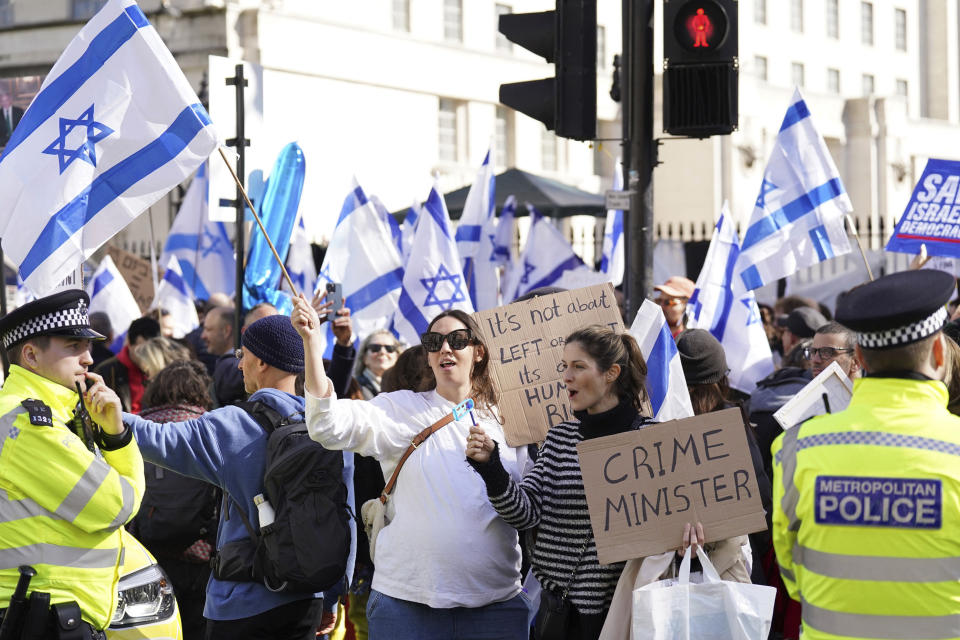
(832, 383)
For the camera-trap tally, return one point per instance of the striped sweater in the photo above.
(551, 497)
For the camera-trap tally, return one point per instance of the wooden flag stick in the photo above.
(856, 236)
(286, 275)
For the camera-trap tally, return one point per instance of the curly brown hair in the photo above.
(183, 382)
(607, 348)
(482, 389)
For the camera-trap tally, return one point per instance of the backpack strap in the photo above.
(458, 412)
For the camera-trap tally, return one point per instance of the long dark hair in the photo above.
(709, 397)
(482, 389)
(607, 348)
(182, 382)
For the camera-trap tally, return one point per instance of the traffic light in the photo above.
(567, 37)
(701, 69)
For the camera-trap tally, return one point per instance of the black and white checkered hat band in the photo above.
(62, 319)
(904, 335)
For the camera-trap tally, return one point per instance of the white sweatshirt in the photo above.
(445, 546)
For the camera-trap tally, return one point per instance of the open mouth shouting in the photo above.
(447, 363)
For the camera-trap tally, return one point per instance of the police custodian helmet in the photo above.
(61, 314)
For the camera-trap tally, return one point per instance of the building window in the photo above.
(601, 47)
(796, 15)
(6, 13)
(548, 150)
(796, 72)
(401, 15)
(900, 29)
(447, 128)
(453, 20)
(503, 45)
(833, 80)
(760, 67)
(868, 84)
(760, 11)
(902, 88)
(503, 138)
(833, 19)
(866, 23)
(85, 9)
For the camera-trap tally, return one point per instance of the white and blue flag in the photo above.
(432, 278)
(361, 256)
(506, 228)
(389, 221)
(612, 261)
(114, 127)
(734, 320)
(174, 296)
(474, 241)
(300, 263)
(798, 217)
(408, 227)
(666, 384)
(201, 246)
(110, 294)
(23, 295)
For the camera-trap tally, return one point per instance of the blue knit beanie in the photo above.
(274, 340)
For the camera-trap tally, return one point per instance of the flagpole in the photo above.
(256, 217)
(856, 236)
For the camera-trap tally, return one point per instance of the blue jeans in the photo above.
(394, 619)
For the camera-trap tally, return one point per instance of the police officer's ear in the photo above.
(938, 354)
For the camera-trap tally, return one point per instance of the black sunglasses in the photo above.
(457, 340)
(375, 348)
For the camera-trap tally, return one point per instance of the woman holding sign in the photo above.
(605, 377)
(446, 565)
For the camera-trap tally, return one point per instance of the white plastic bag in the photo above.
(712, 610)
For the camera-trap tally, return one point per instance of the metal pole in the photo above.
(638, 130)
(240, 142)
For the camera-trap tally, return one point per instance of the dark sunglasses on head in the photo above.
(375, 348)
(457, 340)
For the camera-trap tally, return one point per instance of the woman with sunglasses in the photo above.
(604, 374)
(378, 352)
(447, 567)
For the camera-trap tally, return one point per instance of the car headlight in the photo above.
(144, 596)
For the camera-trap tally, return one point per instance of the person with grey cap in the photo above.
(70, 474)
(227, 447)
(867, 500)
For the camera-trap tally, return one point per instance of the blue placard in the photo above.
(913, 503)
(932, 216)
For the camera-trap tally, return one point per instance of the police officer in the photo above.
(62, 503)
(867, 500)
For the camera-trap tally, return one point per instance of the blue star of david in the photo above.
(754, 311)
(215, 241)
(431, 285)
(527, 270)
(765, 188)
(96, 131)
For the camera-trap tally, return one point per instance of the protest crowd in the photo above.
(429, 437)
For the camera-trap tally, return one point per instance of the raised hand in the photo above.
(103, 404)
(304, 319)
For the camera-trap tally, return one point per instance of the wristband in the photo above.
(112, 442)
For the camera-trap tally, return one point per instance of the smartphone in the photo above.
(335, 295)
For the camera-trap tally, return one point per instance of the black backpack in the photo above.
(306, 546)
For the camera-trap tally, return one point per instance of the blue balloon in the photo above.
(281, 199)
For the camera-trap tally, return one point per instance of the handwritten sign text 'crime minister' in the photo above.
(526, 344)
(643, 485)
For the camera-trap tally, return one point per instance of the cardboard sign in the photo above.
(829, 392)
(643, 486)
(525, 340)
(932, 216)
(136, 271)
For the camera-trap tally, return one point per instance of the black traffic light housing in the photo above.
(701, 69)
(567, 37)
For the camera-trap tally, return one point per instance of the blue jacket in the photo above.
(227, 447)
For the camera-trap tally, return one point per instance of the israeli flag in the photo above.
(300, 263)
(361, 256)
(473, 239)
(391, 223)
(173, 296)
(506, 228)
(548, 260)
(734, 320)
(110, 294)
(408, 228)
(666, 384)
(432, 278)
(798, 217)
(23, 295)
(114, 127)
(612, 261)
(201, 246)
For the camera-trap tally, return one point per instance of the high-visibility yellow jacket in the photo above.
(61, 507)
(866, 521)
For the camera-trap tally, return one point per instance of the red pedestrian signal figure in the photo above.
(700, 28)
